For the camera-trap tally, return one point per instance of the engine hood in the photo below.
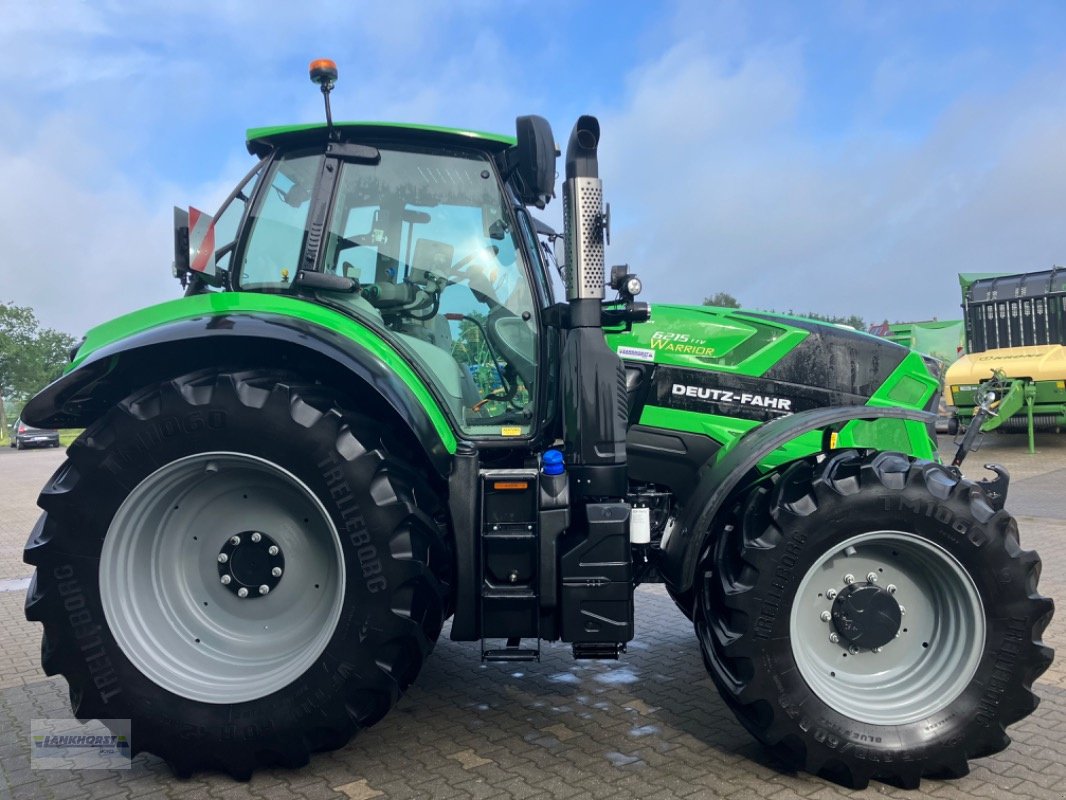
(846, 366)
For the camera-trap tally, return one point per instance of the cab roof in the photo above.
(261, 140)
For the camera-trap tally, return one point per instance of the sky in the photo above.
(834, 157)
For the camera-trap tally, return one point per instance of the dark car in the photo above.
(24, 436)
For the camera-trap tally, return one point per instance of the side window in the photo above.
(541, 272)
(229, 217)
(272, 253)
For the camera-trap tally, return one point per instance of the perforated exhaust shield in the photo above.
(582, 214)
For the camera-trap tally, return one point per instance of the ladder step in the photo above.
(511, 654)
(599, 650)
(508, 592)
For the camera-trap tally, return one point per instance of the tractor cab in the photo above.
(420, 234)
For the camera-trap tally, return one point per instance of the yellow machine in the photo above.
(1016, 329)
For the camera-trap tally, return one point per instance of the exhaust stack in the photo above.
(583, 217)
(594, 406)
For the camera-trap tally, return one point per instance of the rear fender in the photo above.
(239, 341)
(719, 479)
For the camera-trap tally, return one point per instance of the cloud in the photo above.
(717, 186)
(80, 246)
(141, 108)
(844, 163)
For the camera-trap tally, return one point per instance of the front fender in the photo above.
(344, 354)
(718, 479)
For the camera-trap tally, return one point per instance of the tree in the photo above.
(722, 300)
(854, 321)
(726, 300)
(30, 357)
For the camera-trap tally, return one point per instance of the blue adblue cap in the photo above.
(552, 463)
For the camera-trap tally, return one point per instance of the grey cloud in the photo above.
(716, 188)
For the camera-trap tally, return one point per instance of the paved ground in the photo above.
(650, 726)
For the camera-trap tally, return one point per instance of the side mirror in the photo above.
(181, 244)
(194, 246)
(535, 156)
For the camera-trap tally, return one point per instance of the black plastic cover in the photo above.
(594, 400)
(596, 572)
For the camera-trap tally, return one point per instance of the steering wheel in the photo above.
(479, 281)
(466, 260)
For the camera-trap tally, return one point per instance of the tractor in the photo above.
(369, 414)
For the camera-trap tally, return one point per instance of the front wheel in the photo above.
(873, 617)
(238, 566)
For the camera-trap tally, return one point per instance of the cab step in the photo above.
(605, 651)
(512, 652)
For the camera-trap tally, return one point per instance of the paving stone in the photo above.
(358, 790)
(650, 726)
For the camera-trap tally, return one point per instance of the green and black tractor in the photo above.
(370, 413)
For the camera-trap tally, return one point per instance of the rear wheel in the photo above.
(240, 567)
(873, 617)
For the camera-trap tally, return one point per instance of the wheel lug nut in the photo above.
(256, 536)
(235, 540)
(877, 649)
(276, 572)
(242, 592)
(902, 611)
(891, 588)
(831, 593)
(849, 579)
(222, 558)
(264, 589)
(225, 580)
(834, 638)
(871, 577)
(273, 550)
(853, 650)
(825, 616)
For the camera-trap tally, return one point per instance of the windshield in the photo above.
(430, 240)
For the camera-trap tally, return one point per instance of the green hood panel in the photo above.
(721, 372)
(223, 304)
(702, 337)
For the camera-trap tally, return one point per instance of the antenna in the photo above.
(324, 73)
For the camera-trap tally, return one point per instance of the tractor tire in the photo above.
(872, 616)
(241, 568)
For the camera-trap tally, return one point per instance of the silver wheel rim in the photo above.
(161, 591)
(934, 655)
